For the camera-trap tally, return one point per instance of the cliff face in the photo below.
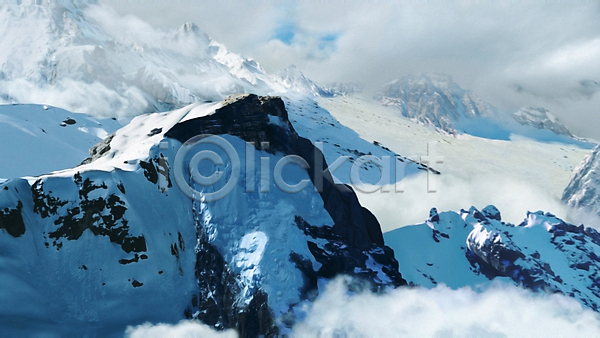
(583, 191)
(118, 231)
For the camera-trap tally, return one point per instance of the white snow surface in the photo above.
(40, 139)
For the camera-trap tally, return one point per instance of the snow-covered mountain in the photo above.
(472, 248)
(541, 118)
(76, 57)
(125, 238)
(435, 100)
(583, 191)
(104, 226)
(294, 81)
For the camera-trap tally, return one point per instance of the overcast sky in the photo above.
(510, 54)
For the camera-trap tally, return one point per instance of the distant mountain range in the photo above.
(435, 100)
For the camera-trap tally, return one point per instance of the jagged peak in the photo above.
(435, 79)
(536, 111)
(291, 70)
(72, 52)
(435, 100)
(583, 191)
(293, 79)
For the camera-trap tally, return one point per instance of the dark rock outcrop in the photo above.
(247, 116)
(355, 237)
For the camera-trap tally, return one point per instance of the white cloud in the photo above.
(501, 310)
(185, 328)
(513, 197)
(582, 216)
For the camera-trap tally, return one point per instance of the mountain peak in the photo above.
(75, 61)
(293, 79)
(541, 253)
(190, 28)
(250, 260)
(434, 100)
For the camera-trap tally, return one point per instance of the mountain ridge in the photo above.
(472, 248)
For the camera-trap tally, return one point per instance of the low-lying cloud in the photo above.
(185, 328)
(511, 196)
(499, 311)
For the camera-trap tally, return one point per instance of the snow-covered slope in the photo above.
(76, 57)
(123, 236)
(517, 174)
(471, 248)
(541, 118)
(41, 139)
(583, 191)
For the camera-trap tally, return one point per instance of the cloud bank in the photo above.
(513, 197)
(185, 328)
(501, 310)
